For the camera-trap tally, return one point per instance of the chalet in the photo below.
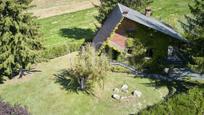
(161, 37)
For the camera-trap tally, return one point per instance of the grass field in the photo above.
(43, 95)
(171, 11)
(68, 28)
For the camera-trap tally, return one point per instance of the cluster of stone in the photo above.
(124, 88)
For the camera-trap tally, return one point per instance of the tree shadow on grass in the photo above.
(70, 83)
(174, 87)
(31, 71)
(2, 79)
(5, 77)
(78, 33)
(67, 81)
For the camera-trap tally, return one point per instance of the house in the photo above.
(123, 20)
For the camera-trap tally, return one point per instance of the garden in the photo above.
(70, 77)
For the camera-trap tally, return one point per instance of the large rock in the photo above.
(124, 97)
(124, 88)
(137, 93)
(116, 96)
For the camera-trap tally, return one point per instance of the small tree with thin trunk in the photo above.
(88, 67)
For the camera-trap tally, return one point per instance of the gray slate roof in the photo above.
(118, 14)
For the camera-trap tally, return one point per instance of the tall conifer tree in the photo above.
(194, 29)
(19, 37)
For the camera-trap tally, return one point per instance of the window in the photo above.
(170, 51)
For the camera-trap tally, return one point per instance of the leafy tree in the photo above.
(194, 29)
(87, 67)
(107, 6)
(19, 37)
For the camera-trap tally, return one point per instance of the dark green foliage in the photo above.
(190, 103)
(7, 109)
(19, 37)
(194, 29)
(107, 6)
(146, 38)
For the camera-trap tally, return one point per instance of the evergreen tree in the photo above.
(194, 29)
(19, 37)
(107, 6)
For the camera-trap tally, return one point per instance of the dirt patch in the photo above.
(47, 8)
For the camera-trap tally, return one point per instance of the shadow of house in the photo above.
(78, 33)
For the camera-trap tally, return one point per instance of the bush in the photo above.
(120, 69)
(57, 51)
(7, 109)
(87, 67)
(190, 103)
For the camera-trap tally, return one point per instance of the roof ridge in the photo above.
(149, 21)
(119, 6)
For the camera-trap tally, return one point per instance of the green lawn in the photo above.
(171, 11)
(68, 28)
(42, 95)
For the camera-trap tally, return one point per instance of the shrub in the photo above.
(7, 109)
(87, 67)
(119, 69)
(56, 51)
(190, 103)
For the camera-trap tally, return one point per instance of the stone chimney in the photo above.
(125, 12)
(148, 11)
